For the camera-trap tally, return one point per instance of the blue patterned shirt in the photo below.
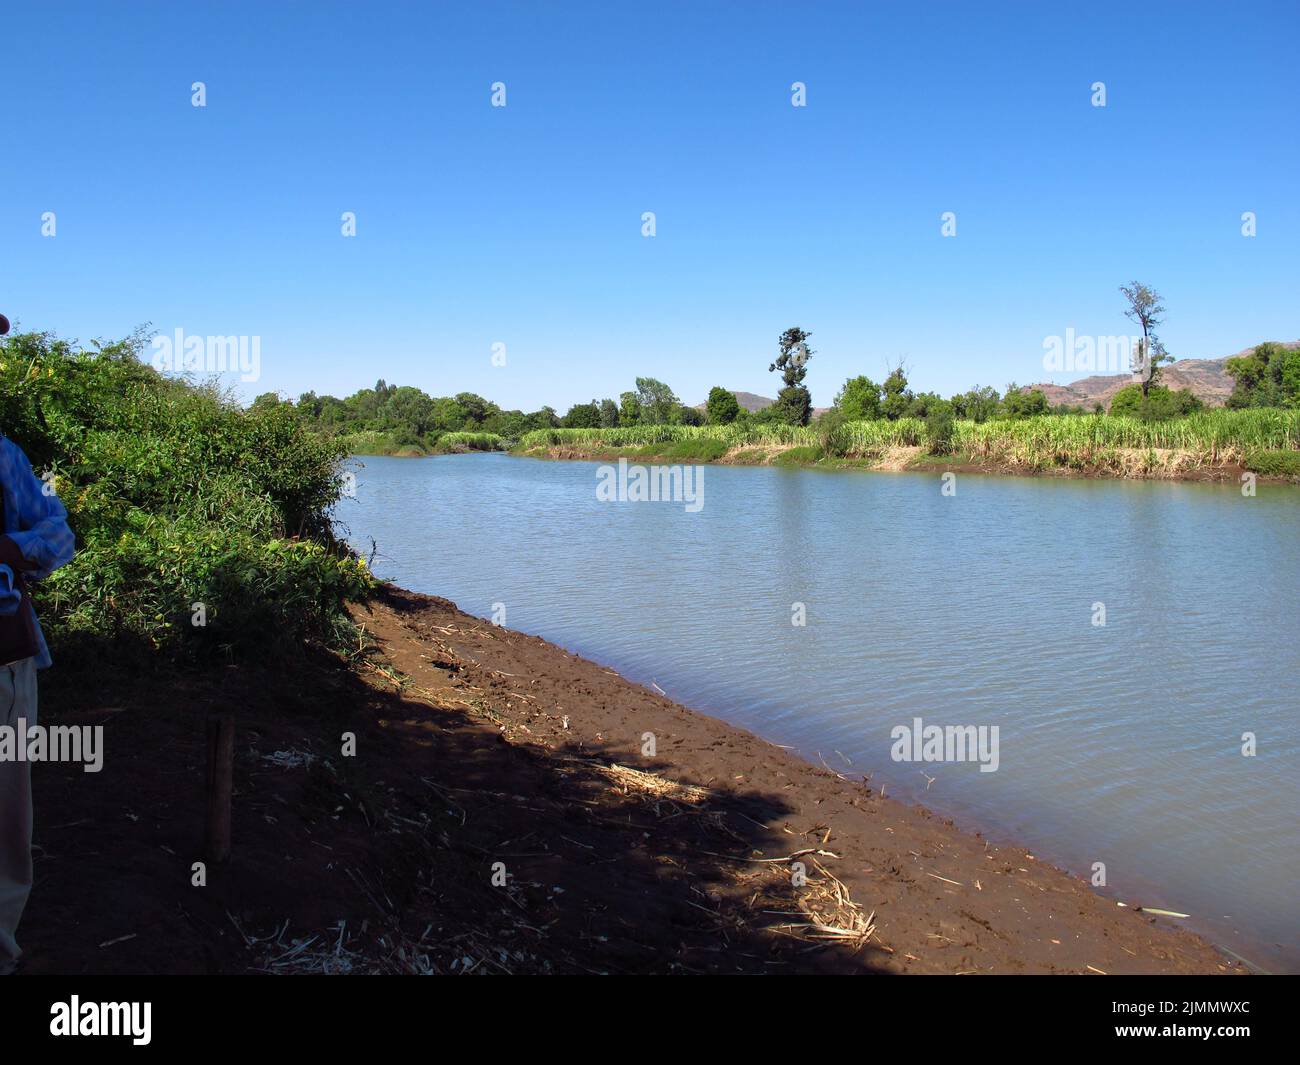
(34, 520)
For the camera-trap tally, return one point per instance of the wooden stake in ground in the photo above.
(221, 765)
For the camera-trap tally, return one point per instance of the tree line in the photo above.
(407, 416)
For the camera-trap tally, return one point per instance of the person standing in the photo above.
(35, 540)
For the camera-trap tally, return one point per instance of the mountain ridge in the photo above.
(1207, 379)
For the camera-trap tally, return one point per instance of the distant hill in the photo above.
(1207, 379)
(748, 400)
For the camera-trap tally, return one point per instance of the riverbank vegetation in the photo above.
(203, 529)
(1015, 428)
(403, 420)
(1117, 444)
(1269, 376)
(1163, 432)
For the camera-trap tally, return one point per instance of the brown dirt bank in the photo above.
(477, 746)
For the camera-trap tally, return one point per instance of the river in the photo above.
(1118, 742)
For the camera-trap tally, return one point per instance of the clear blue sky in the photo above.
(522, 225)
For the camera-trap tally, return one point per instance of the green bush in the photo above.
(699, 449)
(940, 425)
(1160, 404)
(858, 400)
(798, 456)
(722, 406)
(470, 442)
(833, 431)
(178, 497)
(793, 406)
(1018, 403)
(1274, 463)
(1269, 376)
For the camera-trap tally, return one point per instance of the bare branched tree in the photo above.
(1145, 308)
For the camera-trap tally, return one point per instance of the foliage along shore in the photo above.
(1217, 444)
(1147, 431)
(377, 442)
(204, 530)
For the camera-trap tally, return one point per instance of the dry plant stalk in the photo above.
(831, 912)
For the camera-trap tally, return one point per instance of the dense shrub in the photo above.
(1160, 403)
(178, 497)
(833, 431)
(1018, 403)
(798, 456)
(722, 406)
(699, 449)
(582, 416)
(1269, 376)
(940, 425)
(470, 442)
(1274, 463)
(401, 419)
(859, 399)
(793, 406)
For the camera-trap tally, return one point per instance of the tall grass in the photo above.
(1213, 437)
(642, 435)
(470, 442)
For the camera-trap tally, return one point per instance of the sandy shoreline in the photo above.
(501, 815)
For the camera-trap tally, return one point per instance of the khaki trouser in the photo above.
(17, 699)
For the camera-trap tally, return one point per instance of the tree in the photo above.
(792, 357)
(407, 408)
(448, 415)
(543, 419)
(722, 406)
(629, 411)
(925, 402)
(1269, 376)
(477, 409)
(979, 404)
(1017, 403)
(272, 399)
(1159, 404)
(793, 405)
(364, 405)
(898, 397)
(608, 414)
(1289, 376)
(1145, 308)
(689, 416)
(582, 416)
(859, 399)
(511, 424)
(657, 401)
(793, 402)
